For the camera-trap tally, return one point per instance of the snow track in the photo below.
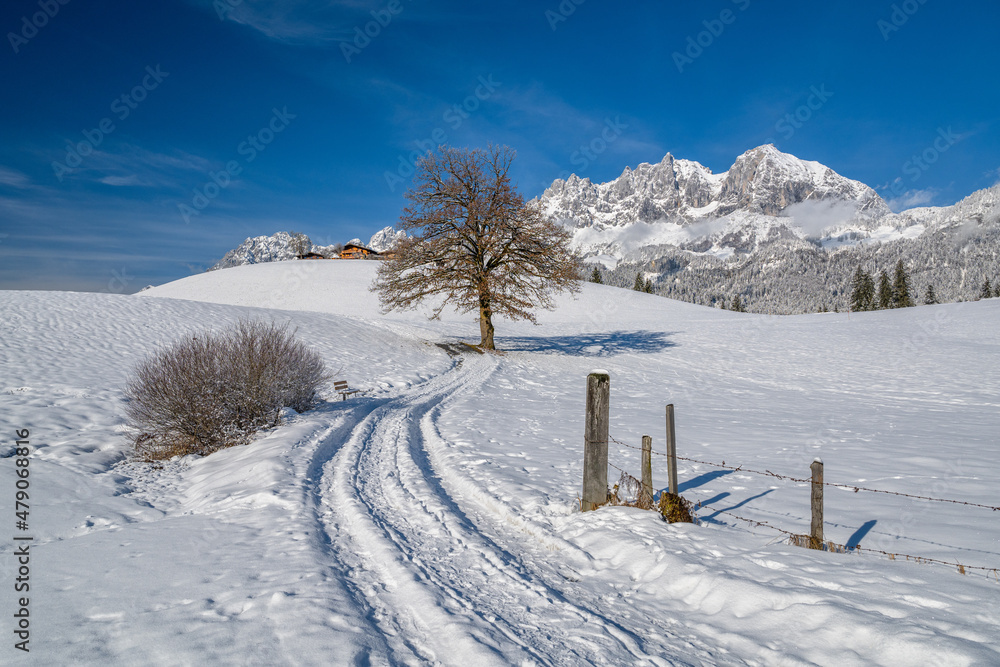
(440, 580)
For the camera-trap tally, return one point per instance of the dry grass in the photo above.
(628, 493)
(806, 542)
(675, 508)
(211, 391)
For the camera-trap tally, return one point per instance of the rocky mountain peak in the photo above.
(762, 180)
(765, 180)
(385, 239)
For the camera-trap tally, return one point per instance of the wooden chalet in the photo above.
(309, 255)
(355, 251)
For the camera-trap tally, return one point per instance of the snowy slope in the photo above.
(433, 520)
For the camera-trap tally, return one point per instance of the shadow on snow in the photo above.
(590, 344)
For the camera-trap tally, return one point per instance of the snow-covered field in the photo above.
(433, 520)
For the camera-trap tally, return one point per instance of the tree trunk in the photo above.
(485, 325)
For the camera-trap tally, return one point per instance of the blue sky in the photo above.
(141, 141)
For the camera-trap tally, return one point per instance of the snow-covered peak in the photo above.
(762, 180)
(278, 247)
(765, 195)
(765, 180)
(385, 239)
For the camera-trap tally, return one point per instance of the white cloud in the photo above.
(300, 22)
(131, 179)
(13, 178)
(813, 216)
(913, 198)
(707, 228)
(129, 165)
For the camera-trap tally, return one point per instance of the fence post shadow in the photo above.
(855, 539)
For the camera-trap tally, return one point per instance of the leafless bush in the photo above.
(211, 391)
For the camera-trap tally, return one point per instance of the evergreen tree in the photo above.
(987, 291)
(648, 289)
(595, 276)
(884, 291)
(862, 291)
(996, 290)
(901, 288)
(737, 304)
(929, 296)
(639, 285)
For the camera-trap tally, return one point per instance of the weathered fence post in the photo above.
(647, 470)
(671, 451)
(595, 441)
(816, 497)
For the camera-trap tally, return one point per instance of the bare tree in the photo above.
(299, 243)
(473, 241)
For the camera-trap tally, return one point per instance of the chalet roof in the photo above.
(360, 247)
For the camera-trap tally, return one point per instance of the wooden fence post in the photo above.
(595, 441)
(816, 497)
(671, 451)
(647, 469)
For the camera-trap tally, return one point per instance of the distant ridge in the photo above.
(785, 234)
(284, 246)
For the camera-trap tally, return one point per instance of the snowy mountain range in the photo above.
(785, 234)
(283, 246)
(765, 196)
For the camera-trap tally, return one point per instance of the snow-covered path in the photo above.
(442, 584)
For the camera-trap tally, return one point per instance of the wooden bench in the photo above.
(340, 386)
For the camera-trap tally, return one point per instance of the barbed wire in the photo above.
(987, 571)
(753, 522)
(858, 548)
(852, 487)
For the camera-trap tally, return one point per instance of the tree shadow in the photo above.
(591, 344)
(855, 539)
(702, 479)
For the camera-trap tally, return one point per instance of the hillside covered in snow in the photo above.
(434, 519)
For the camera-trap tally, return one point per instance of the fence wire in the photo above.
(799, 480)
(796, 538)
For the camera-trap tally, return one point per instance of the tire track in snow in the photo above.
(439, 588)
